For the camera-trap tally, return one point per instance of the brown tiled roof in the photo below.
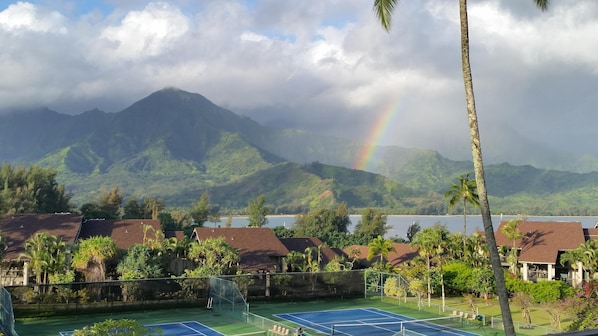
(542, 241)
(590, 234)
(16, 229)
(124, 232)
(259, 248)
(403, 253)
(301, 244)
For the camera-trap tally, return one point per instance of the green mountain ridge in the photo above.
(175, 144)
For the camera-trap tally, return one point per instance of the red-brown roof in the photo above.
(259, 248)
(542, 241)
(16, 229)
(301, 244)
(591, 233)
(124, 232)
(403, 253)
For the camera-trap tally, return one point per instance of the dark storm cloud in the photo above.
(325, 66)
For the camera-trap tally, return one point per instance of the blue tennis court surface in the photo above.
(367, 321)
(190, 328)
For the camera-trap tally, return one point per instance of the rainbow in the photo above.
(376, 134)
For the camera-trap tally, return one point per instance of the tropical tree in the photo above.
(201, 210)
(322, 223)
(572, 258)
(213, 257)
(141, 262)
(91, 254)
(312, 265)
(133, 209)
(294, 261)
(176, 248)
(36, 252)
(589, 256)
(380, 247)
(425, 249)
(476, 251)
(438, 238)
(511, 231)
(372, 223)
(257, 211)
(465, 191)
(31, 189)
(152, 207)
(384, 10)
(110, 202)
(412, 230)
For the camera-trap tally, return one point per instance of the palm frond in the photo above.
(384, 9)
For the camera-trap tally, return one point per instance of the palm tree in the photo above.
(425, 249)
(511, 231)
(589, 256)
(439, 237)
(37, 253)
(476, 252)
(573, 258)
(380, 247)
(384, 10)
(465, 191)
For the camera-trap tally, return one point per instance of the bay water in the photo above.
(400, 224)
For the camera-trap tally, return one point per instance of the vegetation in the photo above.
(110, 327)
(257, 211)
(384, 10)
(90, 257)
(465, 191)
(31, 190)
(449, 264)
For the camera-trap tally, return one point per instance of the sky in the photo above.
(325, 66)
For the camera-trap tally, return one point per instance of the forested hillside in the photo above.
(174, 145)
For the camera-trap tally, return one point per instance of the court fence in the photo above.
(160, 293)
(7, 317)
(225, 298)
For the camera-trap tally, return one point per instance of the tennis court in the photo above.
(190, 328)
(373, 321)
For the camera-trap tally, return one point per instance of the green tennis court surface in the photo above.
(190, 328)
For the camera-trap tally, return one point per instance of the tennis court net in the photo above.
(406, 327)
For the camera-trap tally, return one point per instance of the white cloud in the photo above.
(24, 16)
(146, 33)
(323, 65)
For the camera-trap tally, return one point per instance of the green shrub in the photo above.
(550, 291)
(110, 327)
(541, 292)
(456, 278)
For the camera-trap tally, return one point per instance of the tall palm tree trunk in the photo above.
(465, 217)
(476, 151)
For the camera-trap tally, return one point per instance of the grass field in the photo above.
(223, 324)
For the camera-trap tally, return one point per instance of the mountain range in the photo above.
(175, 145)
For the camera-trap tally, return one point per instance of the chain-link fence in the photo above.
(226, 298)
(62, 299)
(7, 317)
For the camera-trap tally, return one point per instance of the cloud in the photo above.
(325, 66)
(147, 33)
(24, 16)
